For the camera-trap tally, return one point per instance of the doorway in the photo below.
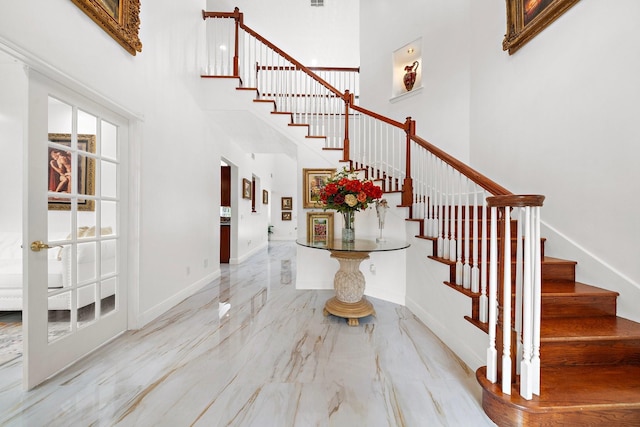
(225, 213)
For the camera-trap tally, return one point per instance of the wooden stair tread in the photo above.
(572, 288)
(588, 329)
(577, 388)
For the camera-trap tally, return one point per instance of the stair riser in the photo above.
(578, 306)
(558, 272)
(603, 352)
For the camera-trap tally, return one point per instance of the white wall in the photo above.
(441, 107)
(322, 36)
(559, 118)
(157, 90)
(13, 106)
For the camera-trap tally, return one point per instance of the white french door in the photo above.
(75, 225)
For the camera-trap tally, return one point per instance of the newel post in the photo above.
(407, 185)
(348, 100)
(515, 285)
(238, 17)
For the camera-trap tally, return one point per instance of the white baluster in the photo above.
(492, 353)
(457, 242)
(466, 270)
(441, 179)
(475, 278)
(537, 302)
(484, 302)
(447, 215)
(506, 306)
(520, 260)
(526, 389)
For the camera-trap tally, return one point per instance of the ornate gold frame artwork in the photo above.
(119, 18)
(60, 176)
(313, 180)
(527, 18)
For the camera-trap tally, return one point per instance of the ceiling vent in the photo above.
(317, 3)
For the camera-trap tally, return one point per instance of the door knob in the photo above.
(38, 245)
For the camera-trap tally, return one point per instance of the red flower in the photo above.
(353, 186)
(330, 189)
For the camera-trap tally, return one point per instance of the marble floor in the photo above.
(251, 350)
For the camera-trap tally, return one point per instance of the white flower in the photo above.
(351, 200)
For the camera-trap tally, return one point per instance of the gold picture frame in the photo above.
(119, 18)
(246, 188)
(319, 227)
(313, 181)
(265, 197)
(286, 216)
(527, 18)
(59, 159)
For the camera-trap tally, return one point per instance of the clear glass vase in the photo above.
(348, 228)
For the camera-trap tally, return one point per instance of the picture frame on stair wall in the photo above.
(118, 18)
(527, 18)
(313, 180)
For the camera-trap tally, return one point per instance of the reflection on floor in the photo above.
(251, 350)
(59, 325)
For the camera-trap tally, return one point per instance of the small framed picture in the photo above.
(286, 216)
(265, 197)
(287, 203)
(319, 227)
(246, 188)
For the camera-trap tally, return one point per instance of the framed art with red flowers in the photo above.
(313, 180)
(527, 18)
(319, 227)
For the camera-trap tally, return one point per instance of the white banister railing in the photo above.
(466, 214)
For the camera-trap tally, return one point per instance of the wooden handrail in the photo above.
(475, 176)
(378, 116)
(515, 200)
(409, 126)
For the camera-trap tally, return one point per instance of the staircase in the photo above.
(589, 371)
(590, 358)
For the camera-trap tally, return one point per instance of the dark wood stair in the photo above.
(590, 358)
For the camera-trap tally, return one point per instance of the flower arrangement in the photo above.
(346, 193)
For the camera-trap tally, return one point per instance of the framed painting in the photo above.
(119, 18)
(313, 180)
(286, 216)
(319, 227)
(265, 197)
(527, 18)
(246, 188)
(287, 203)
(61, 175)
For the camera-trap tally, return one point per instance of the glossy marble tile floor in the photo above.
(251, 350)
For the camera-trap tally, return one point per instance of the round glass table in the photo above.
(349, 301)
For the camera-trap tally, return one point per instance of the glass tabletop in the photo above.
(360, 245)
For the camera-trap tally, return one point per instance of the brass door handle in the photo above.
(38, 245)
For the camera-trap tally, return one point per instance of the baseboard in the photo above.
(459, 347)
(244, 257)
(167, 304)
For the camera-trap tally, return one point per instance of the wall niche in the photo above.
(407, 70)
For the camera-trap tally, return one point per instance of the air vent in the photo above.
(317, 3)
